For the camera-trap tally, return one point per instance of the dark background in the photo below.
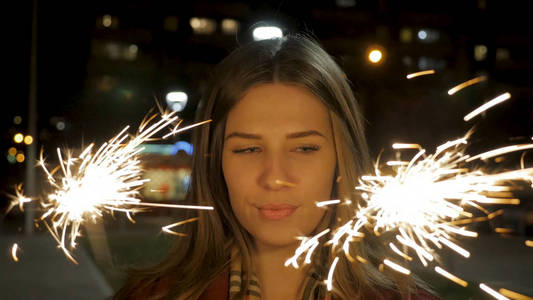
(95, 94)
(86, 79)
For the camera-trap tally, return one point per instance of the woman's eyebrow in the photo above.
(294, 135)
(243, 135)
(302, 134)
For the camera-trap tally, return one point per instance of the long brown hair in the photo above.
(195, 261)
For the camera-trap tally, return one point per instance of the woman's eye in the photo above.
(247, 150)
(307, 149)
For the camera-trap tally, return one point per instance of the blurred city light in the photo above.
(406, 35)
(177, 100)
(171, 23)
(11, 159)
(12, 151)
(480, 52)
(18, 138)
(182, 145)
(17, 120)
(28, 140)
(107, 21)
(345, 3)
(230, 26)
(375, 56)
(425, 62)
(203, 25)
(422, 34)
(130, 52)
(503, 54)
(168, 149)
(60, 125)
(20, 157)
(427, 35)
(267, 32)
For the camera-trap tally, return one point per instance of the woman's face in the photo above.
(278, 161)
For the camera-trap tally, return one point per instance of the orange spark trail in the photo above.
(421, 73)
(467, 83)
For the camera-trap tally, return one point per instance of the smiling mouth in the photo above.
(277, 211)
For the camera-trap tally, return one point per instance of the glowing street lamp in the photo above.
(177, 100)
(267, 32)
(375, 54)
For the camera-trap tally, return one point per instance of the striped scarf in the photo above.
(237, 276)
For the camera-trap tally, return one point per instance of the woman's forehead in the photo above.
(278, 106)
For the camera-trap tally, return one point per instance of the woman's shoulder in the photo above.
(423, 295)
(219, 288)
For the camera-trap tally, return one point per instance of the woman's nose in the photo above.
(274, 174)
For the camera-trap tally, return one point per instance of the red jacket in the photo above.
(219, 290)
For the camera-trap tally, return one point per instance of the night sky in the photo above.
(95, 96)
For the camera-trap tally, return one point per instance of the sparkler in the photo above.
(100, 182)
(426, 202)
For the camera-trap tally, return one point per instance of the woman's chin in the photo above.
(272, 241)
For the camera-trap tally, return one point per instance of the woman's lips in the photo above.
(276, 211)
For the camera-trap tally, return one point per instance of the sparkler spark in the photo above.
(484, 107)
(421, 73)
(285, 183)
(14, 250)
(467, 83)
(328, 202)
(450, 276)
(167, 227)
(513, 295)
(492, 292)
(396, 267)
(503, 230)
(329, 281)
(18, 199)
(101, 182)
(425, 204)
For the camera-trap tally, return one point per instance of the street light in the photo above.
(177, 100)
(375, 54)
(267, 32)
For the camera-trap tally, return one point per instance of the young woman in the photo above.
(286, 132)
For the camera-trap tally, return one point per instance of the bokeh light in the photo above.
(18, 138)
(375, 56)
(20, 157)
(28, 140)
(12, 151)
(107, 21)
(11, 159)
